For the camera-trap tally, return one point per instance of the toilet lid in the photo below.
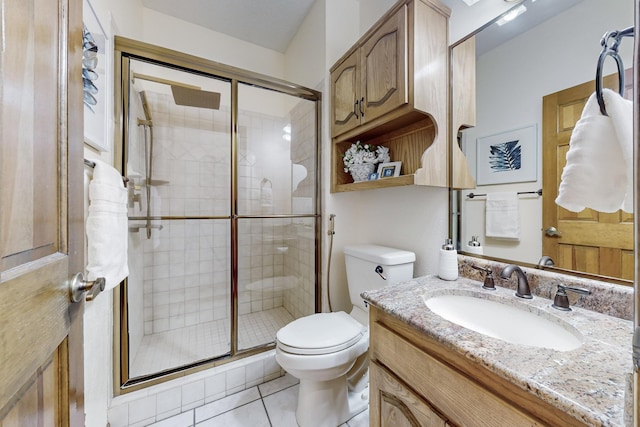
(320, 333)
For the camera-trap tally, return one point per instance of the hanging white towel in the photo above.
(107, 226)
(621, 112)
(599, 170)
(502, 219)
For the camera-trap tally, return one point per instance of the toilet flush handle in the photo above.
(379, 270)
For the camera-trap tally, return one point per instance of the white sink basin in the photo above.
(506, 322)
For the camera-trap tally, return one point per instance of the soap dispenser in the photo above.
(474, 246)
(448, 263)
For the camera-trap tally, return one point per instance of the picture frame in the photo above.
(373, 176)
(389, 170)
(97, 117)
(507, 157)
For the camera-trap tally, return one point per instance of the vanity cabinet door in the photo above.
(345, 91)
(383, 68)
(395, 405)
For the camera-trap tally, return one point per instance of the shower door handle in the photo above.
(79, 287)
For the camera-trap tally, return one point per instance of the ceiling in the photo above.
(273, 23)
(267, 23)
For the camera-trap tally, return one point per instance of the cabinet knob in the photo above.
(361, 106)
(355, 109)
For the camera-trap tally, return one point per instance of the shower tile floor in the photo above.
(272, 404)
(179, 347)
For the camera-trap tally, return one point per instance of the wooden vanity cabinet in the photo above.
(416, 381)
(390, 89)
(399, 406)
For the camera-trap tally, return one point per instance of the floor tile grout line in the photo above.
(277, 391)
(266, 412)
(232, 409)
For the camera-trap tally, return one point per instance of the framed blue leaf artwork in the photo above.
(507, 157)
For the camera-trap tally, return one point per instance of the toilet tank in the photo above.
(361, 262)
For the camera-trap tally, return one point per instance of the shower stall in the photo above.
(223, 211)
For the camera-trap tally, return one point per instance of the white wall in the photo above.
(555, 55)
(304, 60)
(202, 42)
(121, 17)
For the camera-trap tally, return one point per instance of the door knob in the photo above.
(78, 287)
(552, 231)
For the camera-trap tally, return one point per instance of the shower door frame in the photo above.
(126, 49)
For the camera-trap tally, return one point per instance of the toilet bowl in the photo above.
(327, 351)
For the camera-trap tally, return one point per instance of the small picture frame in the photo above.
(389, 170)
(373, 176)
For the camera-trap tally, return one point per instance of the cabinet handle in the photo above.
(361, 104)
(355, 109)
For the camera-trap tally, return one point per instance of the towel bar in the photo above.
(612, 51)
(538, 192)
(92, 165)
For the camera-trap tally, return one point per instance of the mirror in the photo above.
(541, 52)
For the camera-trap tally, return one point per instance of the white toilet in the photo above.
(327, 352)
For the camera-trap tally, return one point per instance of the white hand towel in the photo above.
(599, 171)
(502, 219)
(107, 226)
(620, 111)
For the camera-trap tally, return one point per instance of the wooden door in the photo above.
(590, 241)
(395, 405)
(383, 68)
(41, 213)
(345, 114)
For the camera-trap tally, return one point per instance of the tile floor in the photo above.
(271, 404)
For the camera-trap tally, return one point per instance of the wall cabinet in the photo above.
(371, 81)
(416, 381)
(463, 108)
(390, 89)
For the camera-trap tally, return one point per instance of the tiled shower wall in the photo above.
(277, 256)
(300, 300)
(186, 263)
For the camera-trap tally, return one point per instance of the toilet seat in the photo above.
(320, 333)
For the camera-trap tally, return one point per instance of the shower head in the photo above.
(195, 97)
(185, 94)
(146, 109)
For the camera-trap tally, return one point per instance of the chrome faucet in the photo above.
(523, 290)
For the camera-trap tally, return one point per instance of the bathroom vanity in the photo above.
(428, 371)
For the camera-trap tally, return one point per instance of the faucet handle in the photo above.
(489, 284)
(561, 300)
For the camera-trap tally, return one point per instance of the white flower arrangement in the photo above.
(365, 153)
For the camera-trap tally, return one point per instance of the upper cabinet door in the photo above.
(345, 82)
(383, 72)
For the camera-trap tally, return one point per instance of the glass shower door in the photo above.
(276, 191)
(178, 161)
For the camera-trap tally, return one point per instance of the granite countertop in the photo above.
(589, 383)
